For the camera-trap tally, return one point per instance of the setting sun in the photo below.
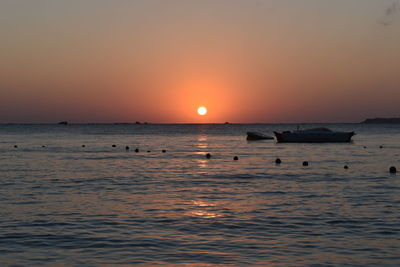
(202, 111)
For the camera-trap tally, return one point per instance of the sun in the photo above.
(202, 111)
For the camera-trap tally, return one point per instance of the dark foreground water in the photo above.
(68, 205)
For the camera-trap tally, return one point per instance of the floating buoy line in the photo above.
(278, 161)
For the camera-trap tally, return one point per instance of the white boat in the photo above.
(315, 135)
(253, 136)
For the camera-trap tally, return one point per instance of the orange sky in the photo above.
(157, 60)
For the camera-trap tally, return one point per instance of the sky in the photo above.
(264, 61)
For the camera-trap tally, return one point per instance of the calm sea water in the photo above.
(68, 205)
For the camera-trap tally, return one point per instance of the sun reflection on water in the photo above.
(202, 146)
(203, 214)
(202, 142)
(200, 210)
(200, 203)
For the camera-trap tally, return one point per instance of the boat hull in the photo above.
(254, 136)
(314, 137)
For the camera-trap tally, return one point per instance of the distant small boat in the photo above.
(315, 135)
(253, 136)
(63, 122)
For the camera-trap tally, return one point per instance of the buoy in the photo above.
(393, 169)
(43, 146)
(15, 146)
(83, 145)
(346, 167)
(137, 150)
(305, 163)
(278, 161)
(113, 145)
(365, 147)
(235, 158)
(127, 147)
(208, 155)
(148, 151)
(380, 147)
(163, 151)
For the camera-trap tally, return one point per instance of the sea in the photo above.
(82, 195)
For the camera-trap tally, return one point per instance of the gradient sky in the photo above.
(158, 60)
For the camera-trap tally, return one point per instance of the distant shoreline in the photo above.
(382, 120)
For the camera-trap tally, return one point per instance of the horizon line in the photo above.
(166, 123)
